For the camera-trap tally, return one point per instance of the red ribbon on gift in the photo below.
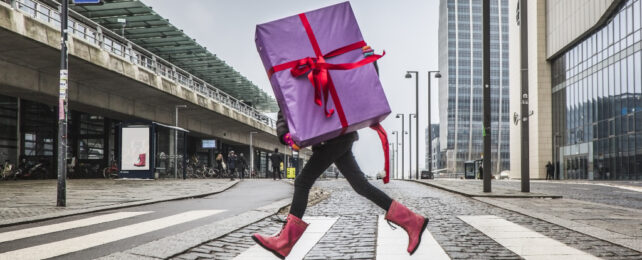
(317, 72)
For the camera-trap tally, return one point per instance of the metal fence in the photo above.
(97, 35)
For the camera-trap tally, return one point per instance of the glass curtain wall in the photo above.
(597, 101)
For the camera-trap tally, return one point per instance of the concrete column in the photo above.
(18, 135)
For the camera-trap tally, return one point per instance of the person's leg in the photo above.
(322, 157)
(413, 223)
(351, 171)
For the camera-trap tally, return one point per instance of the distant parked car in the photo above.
(380, 175)
(503, 175)
(427, 175)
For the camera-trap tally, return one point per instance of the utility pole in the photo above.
(409, 147)
(403, 148)
(523, 30)
(252, 152)
(61, 200)
(176, 107)
(486, 93)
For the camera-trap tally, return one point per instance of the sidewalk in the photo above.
(596, 217)
(33, 200)
(474, 188)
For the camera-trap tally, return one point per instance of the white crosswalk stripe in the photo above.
(523, 241)
(393, 244)
(36, 231)
(91, 240)
(317, 228)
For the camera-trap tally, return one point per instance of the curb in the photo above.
(542, 196)
(111, 207)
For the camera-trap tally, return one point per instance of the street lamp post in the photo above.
(410, 144)
(176, 107)
(392, 159)
(437, 75)
(252, 153)
(403, 149)
(417, 123)
(396, 147)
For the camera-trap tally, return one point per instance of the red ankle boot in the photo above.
(281, 244)
(413, 223)
(141, 160)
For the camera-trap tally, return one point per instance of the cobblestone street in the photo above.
(354, 235)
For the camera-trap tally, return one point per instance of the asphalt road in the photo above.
(245, 196)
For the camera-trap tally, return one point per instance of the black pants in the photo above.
(242, 173)
(276, 171)
(338, 152)
(232, 173)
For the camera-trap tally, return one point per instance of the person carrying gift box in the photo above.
(319, 67)
(338, 151)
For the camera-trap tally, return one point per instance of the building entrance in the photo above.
(576, 167)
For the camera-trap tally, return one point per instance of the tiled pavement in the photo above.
(30, 200)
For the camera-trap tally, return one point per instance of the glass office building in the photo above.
(461, 99)
(597, 101)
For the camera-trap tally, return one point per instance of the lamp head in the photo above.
(408, 75)
(438, 75)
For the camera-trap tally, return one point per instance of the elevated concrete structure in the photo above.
(110, 85)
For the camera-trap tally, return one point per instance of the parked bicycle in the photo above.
(111, 172)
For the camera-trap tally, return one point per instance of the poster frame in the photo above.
(138, 174)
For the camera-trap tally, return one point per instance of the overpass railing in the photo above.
(92, 33)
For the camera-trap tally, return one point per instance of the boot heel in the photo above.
(421, 233)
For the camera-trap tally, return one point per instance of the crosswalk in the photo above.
(75, 244)
(318, 226)
(390, 243)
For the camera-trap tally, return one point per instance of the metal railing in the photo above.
(105, 39)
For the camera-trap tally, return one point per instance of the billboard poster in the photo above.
(135, 148)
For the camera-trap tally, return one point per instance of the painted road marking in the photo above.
(36, 231)
(393, 244)
(523, 241)
(91, 240)
(317, 228)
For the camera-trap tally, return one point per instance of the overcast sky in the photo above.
(406, 30)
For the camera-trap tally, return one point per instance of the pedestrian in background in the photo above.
(549, 171)
(231, 164)
(242, 165)
(276, 163)
(220, 164)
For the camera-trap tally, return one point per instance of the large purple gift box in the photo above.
(315, 41)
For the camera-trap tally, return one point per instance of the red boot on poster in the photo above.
(141, 160)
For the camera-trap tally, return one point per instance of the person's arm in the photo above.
(367, 51)
(281, 127)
